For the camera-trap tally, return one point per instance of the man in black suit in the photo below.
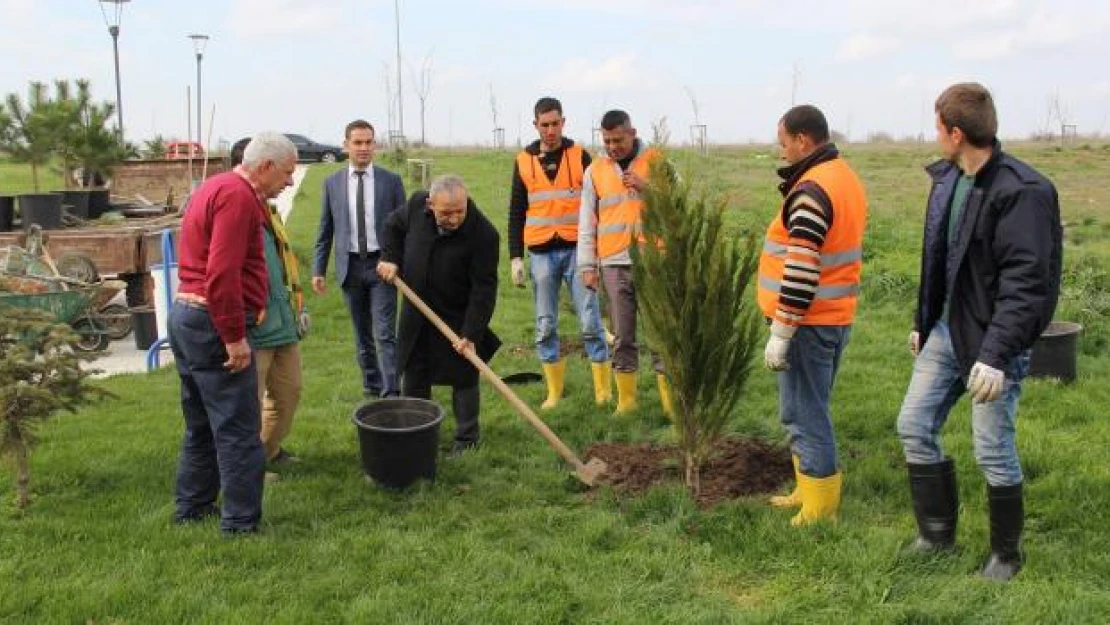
(447, 252)
(356, 202)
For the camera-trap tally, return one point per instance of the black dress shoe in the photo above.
(284, 457)
(458, 448)
(195, 516)
(235, 532)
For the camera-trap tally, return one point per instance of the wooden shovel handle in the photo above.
(494, 379)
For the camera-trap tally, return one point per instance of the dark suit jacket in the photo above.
(335, 223)
(456, 275)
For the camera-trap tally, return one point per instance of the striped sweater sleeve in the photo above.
(808, 219)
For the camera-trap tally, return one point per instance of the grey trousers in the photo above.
(621, 292)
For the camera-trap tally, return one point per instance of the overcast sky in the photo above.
(311, 66)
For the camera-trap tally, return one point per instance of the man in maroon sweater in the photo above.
(223, 289)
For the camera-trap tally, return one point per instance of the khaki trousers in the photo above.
(279, 392)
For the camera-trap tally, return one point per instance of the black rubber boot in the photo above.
(936, 501)
(1007, 512)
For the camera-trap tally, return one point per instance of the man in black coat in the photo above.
(447, 252)
(990, 278)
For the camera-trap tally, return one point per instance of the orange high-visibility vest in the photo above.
(841, 256)
(552, 205)
(618, 208)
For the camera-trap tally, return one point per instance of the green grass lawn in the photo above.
(502, 537)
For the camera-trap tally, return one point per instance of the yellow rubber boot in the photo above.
(555, 374)
(626, 391)
(603, 382)
(665, 395)
(794, 499)
(820, 499)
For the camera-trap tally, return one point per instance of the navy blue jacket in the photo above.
(1003, 271)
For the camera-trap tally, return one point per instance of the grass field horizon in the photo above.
(500, 538)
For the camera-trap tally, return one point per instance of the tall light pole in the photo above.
(400, 97)
(112, 21)
(199, 42)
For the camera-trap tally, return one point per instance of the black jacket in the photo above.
(1004, 269)
(456, 276)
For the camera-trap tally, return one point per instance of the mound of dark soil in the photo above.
(738, 467)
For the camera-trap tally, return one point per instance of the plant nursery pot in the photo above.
(44, 209)
(7, 212)
(99, 202)
(399, 439)
(76, 202)
(1054, 352)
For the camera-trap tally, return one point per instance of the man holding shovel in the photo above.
(447, 252)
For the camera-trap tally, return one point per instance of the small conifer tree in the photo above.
(40, 374)
(692, 280)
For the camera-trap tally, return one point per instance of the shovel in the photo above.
(587, 472)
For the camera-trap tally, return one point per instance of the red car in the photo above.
(184, 149)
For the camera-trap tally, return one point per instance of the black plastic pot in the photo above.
(7, 212)
(98, 202)
(1054, 352)
(44, 209)
(76, 202)
(399, 440)
(144, 323)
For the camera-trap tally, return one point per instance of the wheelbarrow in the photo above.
(78, 306)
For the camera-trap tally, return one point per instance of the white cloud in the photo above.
(865, 46)
(264, 18)
(582, 74)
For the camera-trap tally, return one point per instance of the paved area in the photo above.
(123, 357)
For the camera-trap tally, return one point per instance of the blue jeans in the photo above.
(804, 393)
(221, 449)
(549, 271)
(373, 307)
(935, 387)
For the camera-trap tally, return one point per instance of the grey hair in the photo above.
(268, 146)
(446, 183)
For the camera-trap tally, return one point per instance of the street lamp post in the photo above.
(112, 21)
(199, 42)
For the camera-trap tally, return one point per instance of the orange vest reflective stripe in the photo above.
(552, 205)
(618, 208)
(841, 256)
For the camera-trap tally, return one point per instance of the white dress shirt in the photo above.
(352, 214)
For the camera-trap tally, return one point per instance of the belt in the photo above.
(251, 318)
(374, 254)
(191, 302)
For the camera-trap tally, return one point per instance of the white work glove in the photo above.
(985, 383)
(774, 355)
(518, 271)
(914, 343)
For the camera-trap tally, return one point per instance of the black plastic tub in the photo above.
(76, 202)
(1054, 352)
(44, 209)
(7, 212)
(399, 439)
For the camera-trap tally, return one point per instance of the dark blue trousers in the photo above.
(373, 307)
(221, 449)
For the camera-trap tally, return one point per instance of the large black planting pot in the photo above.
(98, 202)
(76, 202)
(7, 212)
(1054, 352)
(399, 439)
(44, 209)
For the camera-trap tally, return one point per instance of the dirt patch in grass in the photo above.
(738, 467)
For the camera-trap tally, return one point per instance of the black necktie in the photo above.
(360, 213)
